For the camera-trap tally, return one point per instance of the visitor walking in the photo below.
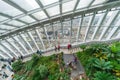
(55, 48)
(4, 75)
(58, 48)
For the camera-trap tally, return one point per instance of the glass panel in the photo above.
(27, 19)
(2, 31)
(83, 3)
(16, 23)
(13, 48)
(75, 29)
(2, 18)
(46, 2)
(50, 34)
(27, 4)
(53, 11)
(68, 6)
(7, 9)
(6, 27)
(40, 15)
(98, 2)
(108, 17)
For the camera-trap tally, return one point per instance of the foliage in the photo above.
(115, 47)
(17, 65)
(101, 57)
(40, 73)
(83, 47)
(102, 64)
(103, 76)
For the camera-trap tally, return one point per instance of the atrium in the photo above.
(60, 30)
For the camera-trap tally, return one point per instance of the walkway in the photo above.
(79, 69)
(67, 56)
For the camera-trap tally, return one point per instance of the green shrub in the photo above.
(17, 65)
(103, 76)
(40, 73)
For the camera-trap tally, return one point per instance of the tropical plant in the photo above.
(83, 47)
(17, 65)
(102, 64)
(40, 73)
(103, 76)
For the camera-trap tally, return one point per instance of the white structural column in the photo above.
(3, 56)
(32, 38)
(118, 35)
(39, 35)
(117, 25)
(71, 29)
(9, 49)
(10, 43)
(45, 30)
(108, 24)
(25, 40)
(99, 24)
(89, 26)
(79, 28)
(4, 51)
(20, 45)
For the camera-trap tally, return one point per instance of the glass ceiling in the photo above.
(64, 21)
(38, 10)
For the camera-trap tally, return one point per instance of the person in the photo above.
(39, 52)
(21, 57)
(75, 59)
(4, 75)
(55, 48)
(58, 47)
(12, 76)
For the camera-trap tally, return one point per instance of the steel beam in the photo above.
(60, 6)
(15, 47)
(76, 5)
(117, 26)
(89, 26)
(45, 30)
(64, 16)
(24, 39)
(79, 28)
(2, 56)
(110, 21)
(10, 17)
(22, 46)
(18, 7)
(90, 3)
(99, 24)
(39, 35)
(41, 5)
(4, 51)
(6, 47)
(32, 38)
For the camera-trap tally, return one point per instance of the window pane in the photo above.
(83, 3)
(46, 2)
(16, 23)
(7, 9)
(27, 19)
(53, 11)
(98, 2)
(27, 4)
(6, 27)
(2, 18)
(40, 15)
(68, 6)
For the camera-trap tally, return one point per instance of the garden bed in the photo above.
(41, 68)
(101, 61)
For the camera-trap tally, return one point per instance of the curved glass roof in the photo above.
(30, 25)
(20, 13)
